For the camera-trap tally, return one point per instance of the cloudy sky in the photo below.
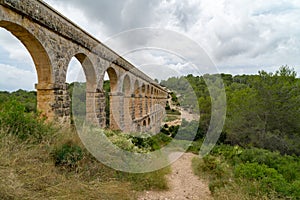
(238, 37)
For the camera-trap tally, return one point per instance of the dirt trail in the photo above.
(183, 183)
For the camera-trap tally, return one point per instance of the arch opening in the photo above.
(32, 44)
(110, 87)
(126, 110)
(42, 75)
(81, 81)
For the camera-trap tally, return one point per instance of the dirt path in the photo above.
(182, 182)
(188, 116)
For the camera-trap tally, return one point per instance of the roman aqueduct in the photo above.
(137, 102)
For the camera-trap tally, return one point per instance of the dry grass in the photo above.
(27, 171)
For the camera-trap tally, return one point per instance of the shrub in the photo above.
(173, 112)
(260, 156)
(269, 178)
(14, 120)
(68, 154)
(285, 165)
(294, 190)
(195, 147)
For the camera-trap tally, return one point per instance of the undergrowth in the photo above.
(47, 161)
(237, 173)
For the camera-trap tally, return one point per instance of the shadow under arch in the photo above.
(42, 63)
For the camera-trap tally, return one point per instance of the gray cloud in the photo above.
(239, 36)
(117, 15)
(186, 13)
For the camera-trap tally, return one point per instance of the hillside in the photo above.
(256, 157)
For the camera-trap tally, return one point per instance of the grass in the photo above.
(173, 112)
(171, 118)
(28, 170)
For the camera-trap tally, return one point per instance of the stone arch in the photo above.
(42, 63)
(113, 106)
(143, 88)
(136, 87)
(90, 87)
(35, 48)
(126, 86)
(89, 71)
(113, 78)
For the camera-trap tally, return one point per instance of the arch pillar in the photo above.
(127, 113)
(95, 108)
(54, 102)
(116, 112)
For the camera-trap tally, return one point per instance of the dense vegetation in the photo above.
(237, 173)
(262, 110)
(257, 155)
(39, 160)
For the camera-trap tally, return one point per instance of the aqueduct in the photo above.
(137, 102)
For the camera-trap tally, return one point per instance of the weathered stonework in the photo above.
(53, 40)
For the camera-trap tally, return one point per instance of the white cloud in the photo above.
(75, 72)
(15, 49)
(12, 78)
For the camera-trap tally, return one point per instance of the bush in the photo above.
(269, 178)
(256, 172)
(285, 165)
(14, 120)
(195, 147)
(294, 190)
(68, 154)
(173, 112)
(152, 143)
(260, 156)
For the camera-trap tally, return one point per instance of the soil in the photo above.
(183, 183)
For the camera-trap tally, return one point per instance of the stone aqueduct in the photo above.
(137, 102)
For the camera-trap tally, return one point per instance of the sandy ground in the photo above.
(183, 184)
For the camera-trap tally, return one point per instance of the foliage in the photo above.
(68, 154)
(138, 143)
(15, 120)
(170, 118)
(77, 92)
(172, 112)
(269, 178)
(257, 172)
(106, 88)
(33, 170)
(25, 98)
(263, 110)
